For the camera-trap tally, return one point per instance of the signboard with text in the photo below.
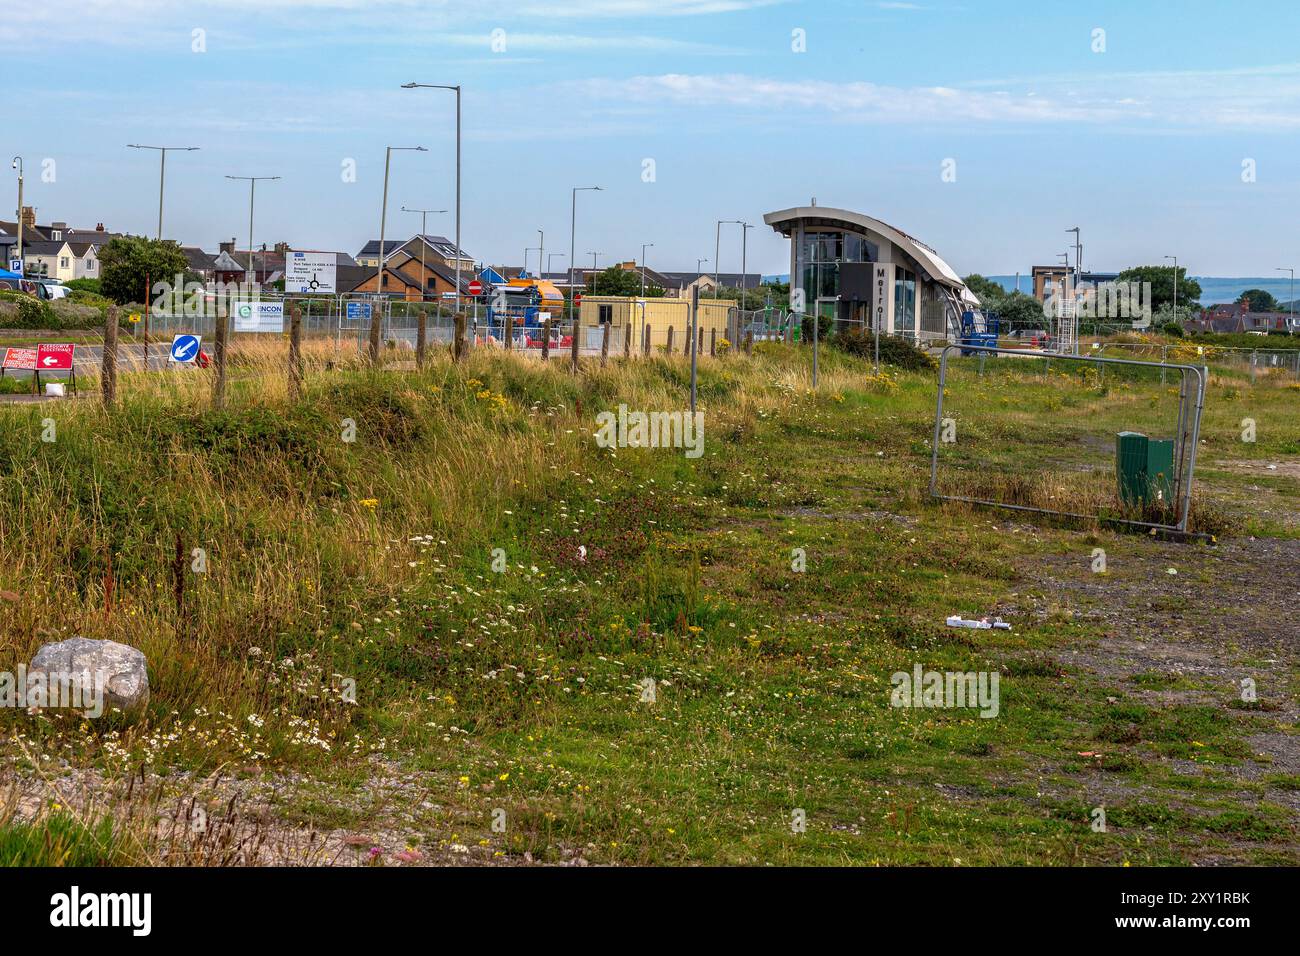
(54, 356)
(309, 272)
(258, 316)
(20, 359)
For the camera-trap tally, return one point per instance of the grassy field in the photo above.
(643, 677)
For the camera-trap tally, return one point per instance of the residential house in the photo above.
(437, 249)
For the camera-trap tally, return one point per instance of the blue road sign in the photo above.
(185, 348)
(358, 310)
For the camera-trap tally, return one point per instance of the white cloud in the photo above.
(1148, 100)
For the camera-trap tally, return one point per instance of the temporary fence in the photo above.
(1059, 451)
(1283, 364)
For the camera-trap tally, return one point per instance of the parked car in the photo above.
(50, 289)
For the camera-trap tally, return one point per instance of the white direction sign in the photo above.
(258, 316)
(308, 272)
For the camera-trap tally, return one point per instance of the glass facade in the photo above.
(904, 301)
(820, 255)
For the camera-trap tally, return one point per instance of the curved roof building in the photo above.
(866, 272)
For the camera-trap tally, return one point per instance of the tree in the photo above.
(1019, 311)
(128, 262)
(623, 282)
(986, 290)
(1162, 284)
(1260, 301)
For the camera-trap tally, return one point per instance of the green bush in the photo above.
(29, 312)
(1172, 329)
(84, 285)
(895, 351)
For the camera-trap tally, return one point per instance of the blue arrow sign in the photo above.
(185, 348)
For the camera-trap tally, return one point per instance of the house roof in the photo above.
(785, 221)
(199, 260)
(440, 245)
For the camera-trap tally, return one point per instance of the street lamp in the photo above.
(698, 262)
(424, 228)
(717, 248)
(744, 235)
(383, 210)
(18, 165)
(162, 174)
(456, 89)
(541, 254)
(549, 257)
(573, 226)
(1175, 258)
(252, 185)
(644, 247)
(1290, 322)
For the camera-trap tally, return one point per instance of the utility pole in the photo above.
(252, 185)
(162, 175)
(376, 320)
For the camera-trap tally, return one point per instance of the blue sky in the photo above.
(1142, 145)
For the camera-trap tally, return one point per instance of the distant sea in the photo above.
(1215, 290)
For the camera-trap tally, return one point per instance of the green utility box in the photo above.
(1144, 468)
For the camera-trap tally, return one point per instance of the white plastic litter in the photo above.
(983, 624)
(54, 390)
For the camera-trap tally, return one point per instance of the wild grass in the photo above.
(352, 610)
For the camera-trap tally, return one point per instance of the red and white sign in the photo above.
(577, 298)
(20, 358)
(54, 356)
(476, 287)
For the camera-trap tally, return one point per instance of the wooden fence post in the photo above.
(713, 341)
(108, 375)
(546, 341)
(573, 358)
(219, 360)
(295, 351)
(604, 345)
(458, 343)
(670, 340)
(645, 339)
(422, 336)
(376, 321)
(749, 342)
(510, 332)
(627, 338)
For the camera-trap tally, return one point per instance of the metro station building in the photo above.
(861, 271)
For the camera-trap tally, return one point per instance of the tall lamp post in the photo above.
(18, 165)
(1175, 258)
(383, 211)
(424, 228)
(162, 174)
(744, 235)
(717, 248)
(456, 90)
(698, 263)
(252, 186)
(1290, 322)
(573, 227)
(550, 256)
(644, 247)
